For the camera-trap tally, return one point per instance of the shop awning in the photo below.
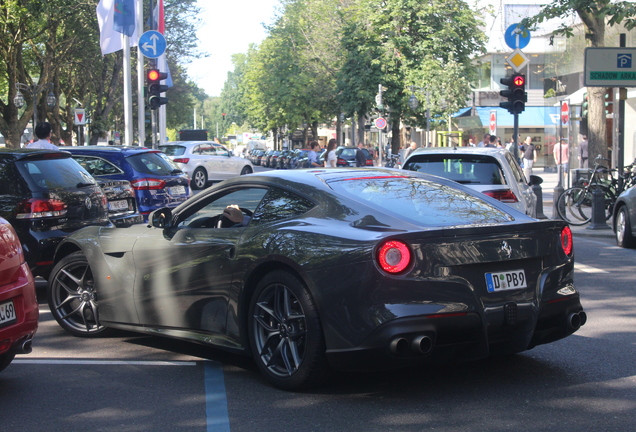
(532, 116)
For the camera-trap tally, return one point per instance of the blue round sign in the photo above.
(152, 44)
(517, 37)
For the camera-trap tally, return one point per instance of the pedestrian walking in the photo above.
(529, 157)
(43, 133)
(331, 159)
(583, 154)
(361, 159)
(561, 154)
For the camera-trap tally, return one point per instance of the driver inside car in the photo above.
(234, 213)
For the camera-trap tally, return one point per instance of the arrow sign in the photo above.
(152, 44)
(493, 123)
(517, 37)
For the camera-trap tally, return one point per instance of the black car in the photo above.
(346, 156)
(46, 195)
(347, 268)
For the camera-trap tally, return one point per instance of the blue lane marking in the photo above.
(215, 398)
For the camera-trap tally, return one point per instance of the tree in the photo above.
(595, 15)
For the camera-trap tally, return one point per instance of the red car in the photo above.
(18, 304)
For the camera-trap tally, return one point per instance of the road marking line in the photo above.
(104, 362)
(588, 269)
(216, 412)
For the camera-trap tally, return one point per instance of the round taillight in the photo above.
(394, 256)
(566, 240)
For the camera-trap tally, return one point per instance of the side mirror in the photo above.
(161, 218)
(230, 153)
(535, 180)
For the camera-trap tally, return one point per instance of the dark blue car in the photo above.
(157, 181)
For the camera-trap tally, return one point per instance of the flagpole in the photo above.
(128, 118)
(141, 106)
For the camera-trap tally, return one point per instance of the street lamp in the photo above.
(34, 91)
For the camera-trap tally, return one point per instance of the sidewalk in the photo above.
(550, 181)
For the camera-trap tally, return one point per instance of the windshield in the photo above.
(421, 201)
(172, 150)
(153, 163)
(465, 169)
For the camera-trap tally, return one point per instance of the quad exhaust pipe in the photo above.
(421, 344)
(576, 320)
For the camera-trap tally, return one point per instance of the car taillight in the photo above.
(182, 160)
(341, 162)
(39, 208)
(148, 184)
(394, 256)
(503, 195)
(566, 240)
(369, 162)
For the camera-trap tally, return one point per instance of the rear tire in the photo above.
(199, 179)
(624, 237)
(285, 333)
(246, 170)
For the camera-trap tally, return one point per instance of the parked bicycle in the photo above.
(575, 204)
(392, 161)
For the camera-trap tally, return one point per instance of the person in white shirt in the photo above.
(331, 159)
(43, 133)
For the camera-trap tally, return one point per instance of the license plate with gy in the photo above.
(7, 313)
(502, 281)
(118, 205)
(176, 190)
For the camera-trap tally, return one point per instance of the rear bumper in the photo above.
(22, 293)
(460, 337)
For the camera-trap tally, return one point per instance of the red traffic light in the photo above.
(519, 80)
(153, 75)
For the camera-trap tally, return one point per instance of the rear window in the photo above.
(173, 150)
(465, 169)
(97, 166)
(153, 163)
(421, 201)
(53, 174)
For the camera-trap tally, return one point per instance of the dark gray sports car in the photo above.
(343, 268)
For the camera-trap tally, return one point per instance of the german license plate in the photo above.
(176, 190)
(7, 313)
(503, 281)
(118, 205)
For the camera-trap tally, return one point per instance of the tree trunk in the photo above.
(361, 122)
(597, 125)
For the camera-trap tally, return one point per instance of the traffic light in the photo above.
(585, 110)
(155, 88)
(609, 102)
(515, 93)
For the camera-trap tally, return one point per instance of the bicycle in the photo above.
(575, 204)
(392, 161)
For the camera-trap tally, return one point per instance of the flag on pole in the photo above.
(110, 39)
(160, 17)
(124, 17)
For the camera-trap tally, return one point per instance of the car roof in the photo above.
(190, 143)
(32, 153)
(110, 150)
(492, 151)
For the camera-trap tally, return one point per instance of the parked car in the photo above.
(346, 156)
(272, 159)
(345, 268)
(157, 181)
(491, 171)
(18, 303)
(205, 160)
(624, 221)
(258, 157)
(46, 195)
(283, 159)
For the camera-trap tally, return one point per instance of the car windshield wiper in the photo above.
(176, 171)
(82, 184)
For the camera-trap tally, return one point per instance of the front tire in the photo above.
(199, 179)
(624, 237)
(73, 298)
(285, 333)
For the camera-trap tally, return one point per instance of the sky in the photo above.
(228, 27)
